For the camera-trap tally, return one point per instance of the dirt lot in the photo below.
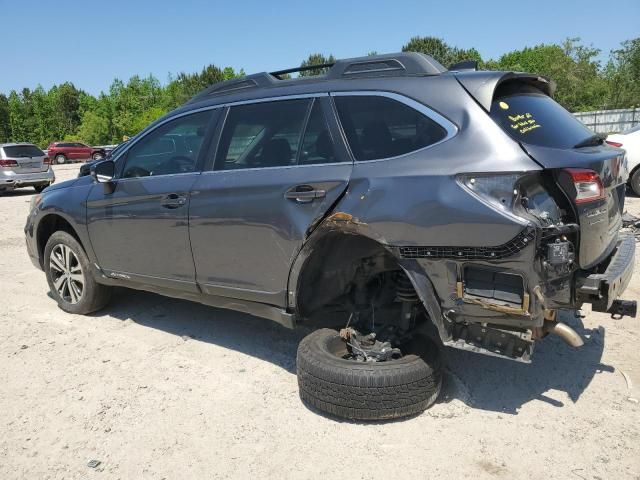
(158, 388)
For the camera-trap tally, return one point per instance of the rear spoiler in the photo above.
(482, 85)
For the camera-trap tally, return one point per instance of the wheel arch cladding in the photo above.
(48, 225)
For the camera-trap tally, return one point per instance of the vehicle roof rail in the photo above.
(232, 86)
(392, 64)
(306, 68)
(464, 65)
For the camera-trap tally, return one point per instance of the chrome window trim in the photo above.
(277, 99)
(128, 179)
(444, 122)
(148, 130)
(450, 127)
(207, 172)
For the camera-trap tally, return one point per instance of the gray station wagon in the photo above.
(395, 205)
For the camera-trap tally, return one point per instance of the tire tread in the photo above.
(359, 391)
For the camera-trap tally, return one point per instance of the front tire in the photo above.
(60, 159)
(367, 390)
(68, 272)
(635, 182)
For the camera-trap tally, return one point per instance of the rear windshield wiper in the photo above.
(592, 141)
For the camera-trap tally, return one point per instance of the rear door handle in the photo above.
(173, 200)
(304, 193)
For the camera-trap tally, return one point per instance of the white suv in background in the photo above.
(630, 141)
(24, 165)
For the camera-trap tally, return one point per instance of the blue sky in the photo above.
(91, 42)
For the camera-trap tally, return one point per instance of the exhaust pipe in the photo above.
(564, 331)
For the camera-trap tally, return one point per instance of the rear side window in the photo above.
(262, 135)
(317, 146)
(536, 119)
(19, 151)
(379, 127)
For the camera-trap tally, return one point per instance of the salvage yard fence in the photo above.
(610, 121)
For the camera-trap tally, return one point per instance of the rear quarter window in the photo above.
(536, 119)
(18, 151)
(379, 127)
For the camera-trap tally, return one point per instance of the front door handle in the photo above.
(173, 200)
(304, 193)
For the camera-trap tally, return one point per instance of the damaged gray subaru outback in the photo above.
(390, 204)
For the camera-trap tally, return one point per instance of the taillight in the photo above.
(587, 183)
(498, 190)
(47, 161)
(613, 144)
(8, 163)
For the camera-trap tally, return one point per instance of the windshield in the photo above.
(116, 150)
(537, 119)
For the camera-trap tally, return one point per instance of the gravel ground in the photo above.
(158, 388)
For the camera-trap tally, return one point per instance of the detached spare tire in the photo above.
(359, 390)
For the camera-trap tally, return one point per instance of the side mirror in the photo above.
(103, 172)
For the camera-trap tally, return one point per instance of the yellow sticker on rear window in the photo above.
(523, 123)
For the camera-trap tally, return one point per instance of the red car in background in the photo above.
(63, 152)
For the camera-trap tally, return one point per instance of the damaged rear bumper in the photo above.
(602, 289)
(502, 307)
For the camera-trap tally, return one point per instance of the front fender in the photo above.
(68, 203)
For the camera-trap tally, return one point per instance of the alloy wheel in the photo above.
(66, 273)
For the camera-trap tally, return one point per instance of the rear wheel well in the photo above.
(352, 276)
(47, 227)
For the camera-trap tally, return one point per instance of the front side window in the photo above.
(262, 135)
(169, 149)
(379, 127)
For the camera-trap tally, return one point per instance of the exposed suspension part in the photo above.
(405, 290)
(407, 295)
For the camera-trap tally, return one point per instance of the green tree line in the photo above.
(584, 82)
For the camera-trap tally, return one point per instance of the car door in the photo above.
(277, 172)
(67, 150)
(84, 151)
(74, 151)
(140, 230)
